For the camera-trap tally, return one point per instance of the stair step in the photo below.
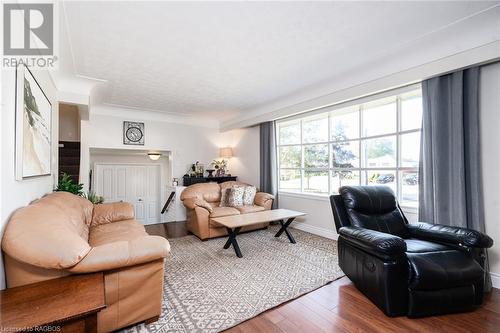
(70, 170)
(69, 152)
(69, 160)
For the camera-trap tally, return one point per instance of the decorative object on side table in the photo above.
(133, 133)
(33, 127)
(196, 170)
(220, 167)
(210, 173)
(34, 307)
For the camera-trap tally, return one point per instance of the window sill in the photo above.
(302, 195)
(326, 197)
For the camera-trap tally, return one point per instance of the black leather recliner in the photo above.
(406, 269)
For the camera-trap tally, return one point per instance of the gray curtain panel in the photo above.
(450, 158)
(268, 165)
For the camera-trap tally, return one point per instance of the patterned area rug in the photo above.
(209, 289)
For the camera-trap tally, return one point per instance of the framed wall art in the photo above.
(133, 133)
(33, 127)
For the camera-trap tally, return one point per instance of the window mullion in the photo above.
(363, 169)
(361, 141)
(398, 148)
(301, 157)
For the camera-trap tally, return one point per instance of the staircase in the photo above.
(69, 159)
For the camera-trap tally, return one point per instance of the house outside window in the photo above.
(373, 142)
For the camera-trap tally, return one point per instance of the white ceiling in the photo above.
(224, 59)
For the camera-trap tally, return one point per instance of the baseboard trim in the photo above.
(323, 232)
(495, 280)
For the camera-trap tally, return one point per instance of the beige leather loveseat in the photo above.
(64, 234)
(202, 202)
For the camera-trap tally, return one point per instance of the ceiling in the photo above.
(224, 59)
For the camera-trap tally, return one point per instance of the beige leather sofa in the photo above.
(202, 202)
(64, 234)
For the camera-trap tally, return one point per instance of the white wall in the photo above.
(187, 143)
(490, 137)
(16, 194)
(245, 162)
(69, 123)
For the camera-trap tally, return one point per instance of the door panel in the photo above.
(108, 184)
(137, 184)
(121, 183)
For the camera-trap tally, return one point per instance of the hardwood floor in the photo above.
(340, 307)
(167, 230)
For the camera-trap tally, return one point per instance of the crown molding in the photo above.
(152, 115)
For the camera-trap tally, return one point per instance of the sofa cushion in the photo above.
(117, 231)
(112, 212)
(250, 209)
(225, 188)
(56, 228)
(224, 211)
(442, 270)
(249, 195)
(235, 196)
(418, 246)
(210, 192)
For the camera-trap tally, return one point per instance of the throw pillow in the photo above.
(223, 197)
(249, 195)
(235, 196)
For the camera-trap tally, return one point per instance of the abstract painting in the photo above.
(33, 127)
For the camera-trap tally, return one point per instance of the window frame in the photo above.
(362, 169)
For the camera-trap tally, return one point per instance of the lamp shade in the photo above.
(226, 152)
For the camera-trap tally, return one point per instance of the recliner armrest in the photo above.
(450, 234)
(375, 242)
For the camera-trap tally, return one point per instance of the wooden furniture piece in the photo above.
(234, 223)
(195, 180)
(68, 304)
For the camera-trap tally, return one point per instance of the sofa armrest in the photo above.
(123, 254)
(112, 212)
(450, 234)
(192, 203)
(264, 199)
(374, 242)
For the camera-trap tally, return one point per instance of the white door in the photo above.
(137, 184)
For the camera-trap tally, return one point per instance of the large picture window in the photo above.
(375, 142)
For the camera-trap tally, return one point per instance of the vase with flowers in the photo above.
(220, 167)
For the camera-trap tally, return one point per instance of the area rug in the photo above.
(209, 289)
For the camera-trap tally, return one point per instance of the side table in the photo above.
(68, 304)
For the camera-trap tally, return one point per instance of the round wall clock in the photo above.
(133, 133)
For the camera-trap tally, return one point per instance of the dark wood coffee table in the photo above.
(68, 304)
(234, 223)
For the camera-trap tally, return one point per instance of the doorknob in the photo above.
(140, 199)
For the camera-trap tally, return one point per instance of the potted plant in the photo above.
(66, 184)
